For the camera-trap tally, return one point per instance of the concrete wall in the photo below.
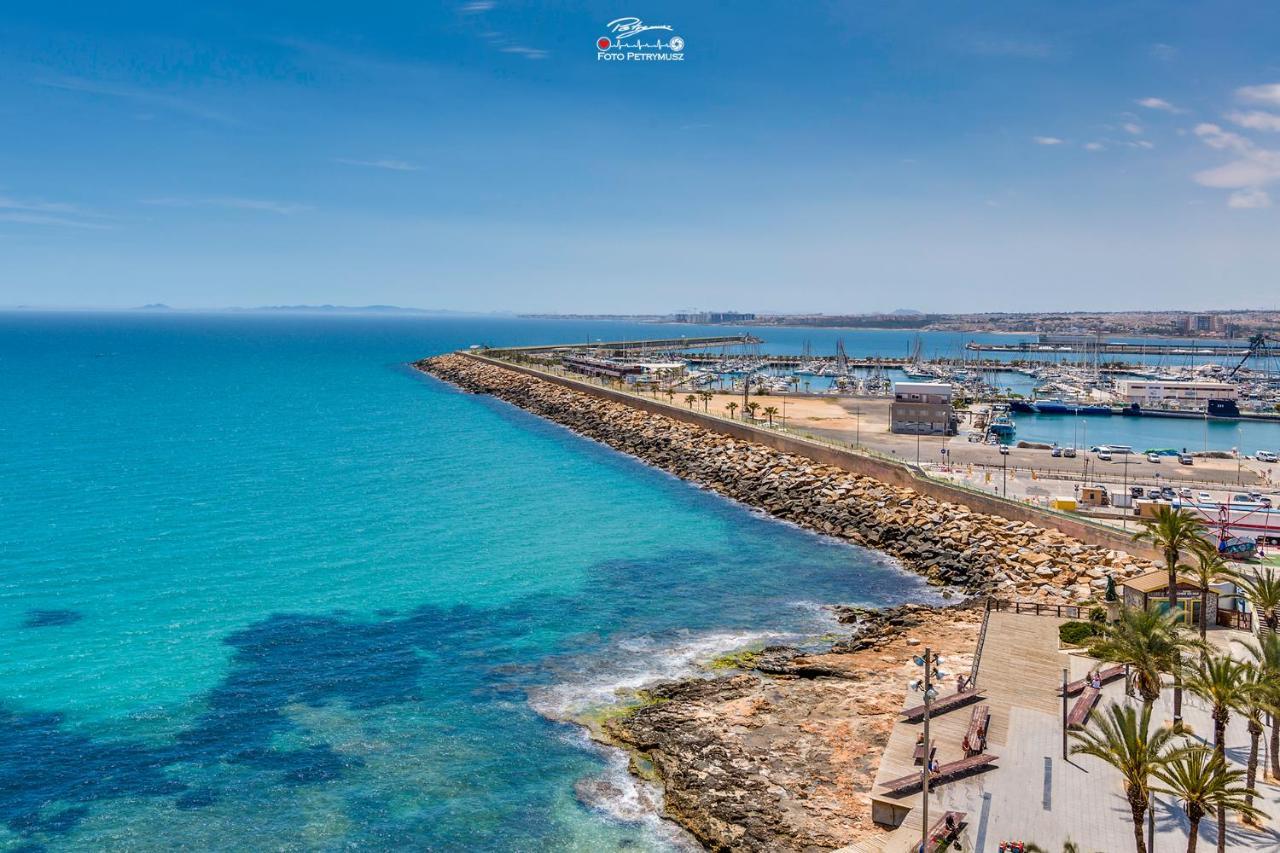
(893, 473)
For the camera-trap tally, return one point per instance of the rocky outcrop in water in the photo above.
(784, 755)
(946, 542)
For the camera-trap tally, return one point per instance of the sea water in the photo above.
(262, 586)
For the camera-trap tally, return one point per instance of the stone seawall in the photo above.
(949, 543)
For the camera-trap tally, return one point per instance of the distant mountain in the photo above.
(907, 312)
(154, 306)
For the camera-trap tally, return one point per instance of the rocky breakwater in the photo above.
(947, 542)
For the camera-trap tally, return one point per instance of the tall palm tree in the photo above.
(1172, 531)
(1200, 780)
(1149, 641)
(1122, 737)
(706, 399)
(732, 407)
(1266, 659)
(1209, 567)
(750, 408)
(769, 412)
(1258, 702)
(1262, 588)
(1226, 684)
(689, 400)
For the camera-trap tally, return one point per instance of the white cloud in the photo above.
(393, 165)
(475, 7)
(1132, 127)
(1157, 104)
(1267, 93)
(1163, 52)
(1256, 120)
(1094, 146)
(162, 100)
(232, 203)
(1046, 140)
(31, 212)
(1253, 168)
(1142, 143)
(526, 52)
(1249, 198)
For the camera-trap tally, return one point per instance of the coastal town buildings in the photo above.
(922, 408)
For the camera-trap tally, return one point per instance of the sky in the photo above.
(478, 155)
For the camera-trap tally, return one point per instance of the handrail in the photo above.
(1039, 608)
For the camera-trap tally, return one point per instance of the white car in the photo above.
(1184, 493)
(1153, 457)
(1203, 497)
(1004, 450)
(1266, 456)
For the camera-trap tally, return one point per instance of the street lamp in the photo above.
(1124, 519)
(1004, 467)
(927, 661)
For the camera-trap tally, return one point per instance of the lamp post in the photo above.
(917, 444)
(929, 693)
(1124, 521)
(1004, 468)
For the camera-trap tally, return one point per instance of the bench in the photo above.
(975, 740)
(945, 773)
(942, 705)
(1106, 675)
(939, 834)
(919, 753)
(1080, 711)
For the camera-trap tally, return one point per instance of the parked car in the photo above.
(1204, 498)
(1185, 493)
(1261, 498)
(1104, 455)
(1154, 494)
(1135, 491)
(1245, 500)
(1004, 450)
(1056, 452)
(1185, 459)
(1168, 493)
(1266, 456)
(1153, 457)
(1069, 452)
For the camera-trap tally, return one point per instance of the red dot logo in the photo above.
(603, 43)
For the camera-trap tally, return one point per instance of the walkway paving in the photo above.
(1034, 794)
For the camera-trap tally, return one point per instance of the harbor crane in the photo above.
(1259, 346)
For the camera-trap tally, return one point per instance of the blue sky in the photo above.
(476, 155)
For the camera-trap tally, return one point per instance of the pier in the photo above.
(1113, 348)
(652, 345)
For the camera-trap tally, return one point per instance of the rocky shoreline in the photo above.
(778, 749)
(946, 542)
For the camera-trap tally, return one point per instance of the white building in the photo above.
(1169, 393)
(922, 408)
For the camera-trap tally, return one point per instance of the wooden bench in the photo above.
(939, 834)
(942, 705)
(975, 740)
(1106, 675)
(1079, 714)
(919, 753)
(945, 773)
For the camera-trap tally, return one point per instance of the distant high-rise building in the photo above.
(1202, 323)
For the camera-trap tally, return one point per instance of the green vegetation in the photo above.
(1078, 633)
(741, 659)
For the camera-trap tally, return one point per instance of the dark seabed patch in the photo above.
(51, 618)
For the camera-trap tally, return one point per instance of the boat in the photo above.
(1059, 407)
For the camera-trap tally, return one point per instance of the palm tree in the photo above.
(1226, 684)
(690, 399)
(1172, 531)
(1262, 588)
(1149, 641)
(1200, 780)
(1208, 568)
(706, 399)
(769, 412)
(1257, 702)
(732, 407)
(1266, 659)
(1123, 738)
(750, 408)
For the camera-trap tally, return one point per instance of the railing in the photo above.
(1235, 619)
(982, 641)
(1036, 608)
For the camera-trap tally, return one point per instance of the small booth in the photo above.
(1152, 590)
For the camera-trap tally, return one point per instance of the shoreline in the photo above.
(778, 748)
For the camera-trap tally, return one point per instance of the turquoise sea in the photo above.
(264, 587)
